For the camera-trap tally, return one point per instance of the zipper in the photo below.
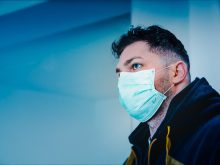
(150, 147)
(168, 144)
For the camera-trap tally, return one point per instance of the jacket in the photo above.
(189, 133)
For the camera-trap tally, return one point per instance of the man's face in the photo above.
(137, 57)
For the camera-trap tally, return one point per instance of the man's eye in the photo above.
(136, 66)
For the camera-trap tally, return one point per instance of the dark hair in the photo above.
(160, 41)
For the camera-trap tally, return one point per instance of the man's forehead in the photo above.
(138, 49)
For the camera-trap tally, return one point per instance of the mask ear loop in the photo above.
(168, 89)
(171, 85)
(163, 69)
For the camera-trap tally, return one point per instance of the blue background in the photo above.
(58, 87)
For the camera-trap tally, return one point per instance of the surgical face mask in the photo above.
(137, 94)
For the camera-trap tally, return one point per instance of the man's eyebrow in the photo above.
(130, 60)
(117, 70)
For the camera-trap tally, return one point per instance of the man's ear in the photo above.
(179, 72)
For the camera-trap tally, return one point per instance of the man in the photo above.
(180, 119)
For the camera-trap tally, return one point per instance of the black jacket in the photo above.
(189, 134)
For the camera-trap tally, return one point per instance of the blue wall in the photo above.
(58, 96)
(58, 88)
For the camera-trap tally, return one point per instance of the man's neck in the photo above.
(155, 122)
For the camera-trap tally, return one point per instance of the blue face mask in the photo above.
(137, 94)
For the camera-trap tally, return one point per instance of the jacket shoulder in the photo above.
(206, 142)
